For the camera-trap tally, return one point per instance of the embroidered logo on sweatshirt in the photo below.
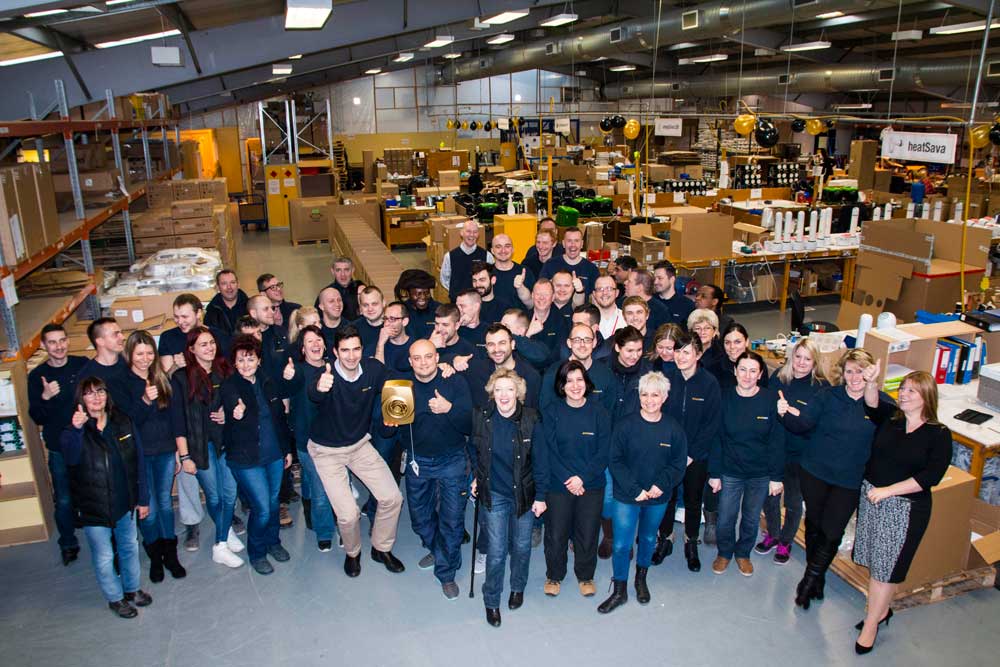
(664, 444)
(762, 417)
(697, 398)
(586, 433)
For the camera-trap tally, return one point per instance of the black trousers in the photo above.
(578, 517)
(828, 509)
(693, 488)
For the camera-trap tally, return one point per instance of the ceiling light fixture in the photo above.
(502, 38)
(762, 51)
(307, 14)
(47, 12)
(852, 107)
(373, 70)
(621, 68)
(806, 46)
(907, 35)
(967, 105)
(581, 72)
(506, 17)
(452, 56)
(295, 57)
(439, 41)
(714, 58)
(959, 28)
(357, 101)
(117, 2)
(682, 45)
(403, 58)
(830, 15)
(30, 59)
(280, 69)
(140, 38)
(558, 20)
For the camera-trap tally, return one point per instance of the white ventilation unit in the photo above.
(690, 20)
(166, 56)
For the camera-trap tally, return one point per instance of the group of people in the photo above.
(577, 408)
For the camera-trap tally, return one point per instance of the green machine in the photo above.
(567, 216)
(486, 211)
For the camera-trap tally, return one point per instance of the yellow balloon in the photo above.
(980, 136)
(450, 124)
(632, 129)
(441, 145)
(465, 125)
(815, 126)
(744, 124)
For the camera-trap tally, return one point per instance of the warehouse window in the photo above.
(689, 20)
(616, 35)
(993, 69)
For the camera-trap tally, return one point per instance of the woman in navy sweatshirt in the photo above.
(833, 465)
(735, 341)
(149, 390)
(257, 449)
(798, 381)
(696, 403)
(577, 441)
(747, 462)
(648, 458)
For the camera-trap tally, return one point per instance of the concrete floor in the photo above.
(309, 613)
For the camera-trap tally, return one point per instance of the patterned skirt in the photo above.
(888, 534)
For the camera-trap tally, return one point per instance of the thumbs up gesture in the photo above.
(869, 374)
(151, 393)
(49, 389)
(519, 280)
(784, 407)
(325, 380)
(79, 417)
(439, 405)
(577, 283)
(289, 371)
(239, 410)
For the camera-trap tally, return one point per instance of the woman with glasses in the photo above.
(108, 485)
(704, 323)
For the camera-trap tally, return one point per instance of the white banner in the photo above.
(920, 146)
(669, 127)
(562, 125)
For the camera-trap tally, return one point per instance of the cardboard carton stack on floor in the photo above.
(29, 220)
(193, 223)
(351, 235)
(309, 218)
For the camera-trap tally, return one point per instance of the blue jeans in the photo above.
(437, 510)
(262, 484)
(507, 534)
(321, 513)
(608, 511)
(625, 518)
(159, 524)
(740, 497)
(219, 485)
(102, 556)
(63, 501)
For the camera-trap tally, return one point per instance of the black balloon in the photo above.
(607, 125)
(798, 125)
(829, 124)
(488, 126)
(473, 126)
(766, 133)
(619, 122)
(521, 121)
(995, 134)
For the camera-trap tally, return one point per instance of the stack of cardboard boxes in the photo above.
(29, 220)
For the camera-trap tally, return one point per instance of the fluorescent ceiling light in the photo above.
(307, 14)
(29, 59)
(357, 101)
(403, 58)
(959, 28)
(967, 105)
(621, 68)
(374, 70)
(830, 15)
(140, 38)
(714, 58)
(281, 68)
(558, 20)
(682, 45)
(452, 56)
(502, 38)
(47, 12)
(111, 3)
(806, 46)
(581, 72)
(907, 35)
(439, 41)
(764, 52)
(295, 57)
(597, 60)
(506, 17)
(849, 107)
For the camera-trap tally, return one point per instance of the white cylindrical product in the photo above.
(788, 227)
(958, 212)
(888, 212)
(813, 223)
(864, 326)
(938, 205)
(925, 210)
(876, 214)
(767, 218)
(885, 320)
(910, 210)
(800, 226)
(510, 207)
(777, 228)
(855, 215)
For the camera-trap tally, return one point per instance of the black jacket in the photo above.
(242, 436)
(222, 317)
(90, 468)
(524, 456)
(189, 417)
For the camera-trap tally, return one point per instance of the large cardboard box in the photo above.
(147, 246)
(191, 208)
(159, 194)
(309, 219)
(152, 223)
(101, 181)
(449, 178)
(864, 154)
(47, 202)
(214, 189)
(701, 236)
(648, 250)
(186, 189)
(201, 240)
(439, 226)
(11, 236)
(195, 225)
(30, 208)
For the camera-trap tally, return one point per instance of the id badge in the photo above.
(415, 468)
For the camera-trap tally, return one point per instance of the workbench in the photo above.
(405, 234)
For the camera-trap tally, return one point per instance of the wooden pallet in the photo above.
(310, 241)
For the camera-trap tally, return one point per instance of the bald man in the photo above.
(435, 474)
(508, 291)
(456, 268)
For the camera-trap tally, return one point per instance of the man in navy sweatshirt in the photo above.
(445, 336)
(228, 305)
(51, 388)
(436, 472)
(573, 262)
(370, 323)
(107, 338)
(188, 313)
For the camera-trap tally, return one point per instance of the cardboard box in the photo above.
(195, 226)
(767, 287)
(882, 180)
(647, 250)
(749, 234)
(864, 154)
(90, 181)
(389, 190)
(201, 240)
(191, 208)
(605, 190)
(659, 172)
(187, 189)
(30, 209)
(593, 233)
(11, 236)
(151, 224)
(159, 194)
(450, 178)
(621, 187)
(215, 189)
(984, 522)
(147, 246)
(309, 219)
(47, 202)
(701, 236)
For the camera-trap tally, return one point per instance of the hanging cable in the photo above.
(895, 50)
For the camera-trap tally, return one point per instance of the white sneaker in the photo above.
(480, 563)
(223, 556)
(234, 543)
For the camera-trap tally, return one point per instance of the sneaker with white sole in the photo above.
(427, 562)
(223, 556)
(480, 563)
(233, 543)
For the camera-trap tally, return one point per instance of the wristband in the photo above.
(185, 457)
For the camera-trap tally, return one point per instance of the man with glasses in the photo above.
(589, 316)
(269, 285)
(393, 348)
(581, 343)
(605, 297)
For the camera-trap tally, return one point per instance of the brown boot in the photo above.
(607, 544)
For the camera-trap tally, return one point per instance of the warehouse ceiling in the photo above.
(228, 47)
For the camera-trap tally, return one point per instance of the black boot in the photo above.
(607, 544)
(691, 554)
(154, 552)
(307, 512)
(619, 596)
(825, 552)
(168, 549)
(641, 589)
(664, 547)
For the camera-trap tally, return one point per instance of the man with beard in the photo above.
(484, 282)
(414, 288)
(393, 348)
(500, 353)
(664, 285)
(505, 271)
(605, 297)
(471, 328)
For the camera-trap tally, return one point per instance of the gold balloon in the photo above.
(744, 124)
(980, 136)
(441, 145)
(632, 128)
(465, 125)
(815, 126)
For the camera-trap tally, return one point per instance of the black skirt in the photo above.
(888, 534)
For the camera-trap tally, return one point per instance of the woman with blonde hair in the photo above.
(704, 323)
(799, 380)
(301, 318)
(509, 483)
(910, 455)
(832, 464)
